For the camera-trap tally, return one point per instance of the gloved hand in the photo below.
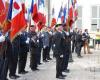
(44, 47)
(61, 56)
(54, 45)
(27, 41)
(2, 38)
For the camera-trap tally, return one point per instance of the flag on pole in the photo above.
(18, 21)
(75, 10)
(35, 13)
(70, 13)
(60, 12)
(7, 23)
(63, 18)
(53, 22)
(42, 20)
(60, 16)
(2, 11)
(41, 15)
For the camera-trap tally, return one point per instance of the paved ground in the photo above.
(86, 68)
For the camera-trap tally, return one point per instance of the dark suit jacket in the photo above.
(23, 45)
(57, 44)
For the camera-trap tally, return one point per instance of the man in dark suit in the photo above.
(58, 51)
(4, 53)
(79, 43)
(66, 48)
(24, 48)
(45, 40)
(14, 58)
(74, 33)
(34, 44)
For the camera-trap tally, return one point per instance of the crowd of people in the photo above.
(38, 44)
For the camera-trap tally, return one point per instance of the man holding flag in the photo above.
(18, 22)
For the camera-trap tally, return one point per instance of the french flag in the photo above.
(60, 15)
(75, 10)
(18, 21)
(64, 17)
(53, 22)
(70, 13)
(41, 15)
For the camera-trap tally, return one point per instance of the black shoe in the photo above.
(66, 70)
(45, 61)
(39, 63)
(79, 56)
(23, 72)
(7, 79)
(63, 75)
(49, 58)
(14, 76)
(35, 69)
(60, 77)
(71, 60)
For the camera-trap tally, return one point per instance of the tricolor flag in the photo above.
(41, 15)
(53, 22)
(75, 10)
(64, 17)
(18, 21)
(70, 13)
(60, 15)
(60, 12)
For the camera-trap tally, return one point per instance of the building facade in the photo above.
(89, 13)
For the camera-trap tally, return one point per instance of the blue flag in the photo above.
(32, 4)
(60, 13)
(9, 16)
(65, 14)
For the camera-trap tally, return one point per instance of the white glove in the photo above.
(44, 47)
(27, 41)
(2, 38)
(38, 41)
(67, 33)
(42, 35)
(54, 45)
(61, 56)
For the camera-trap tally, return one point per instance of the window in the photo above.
(95, 18)
(94, 12)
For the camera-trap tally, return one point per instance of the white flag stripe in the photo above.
(16, 11)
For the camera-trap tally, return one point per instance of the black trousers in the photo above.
(48, 55)
(45, 53)
(33, 58)
(22, 61)
(73, 46)
(3, 68)
(39, 55)
(59, 66)
(78, 49)
(13, 64)
(65, 62)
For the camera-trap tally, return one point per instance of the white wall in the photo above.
(86, 11)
